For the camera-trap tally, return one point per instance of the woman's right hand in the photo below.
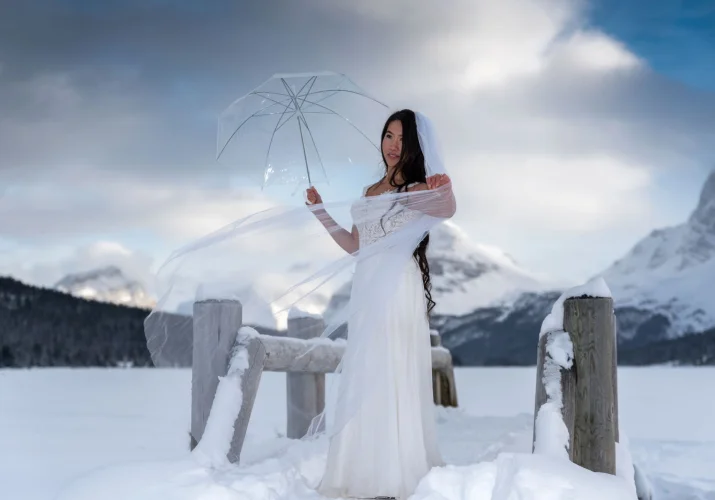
(313, 196)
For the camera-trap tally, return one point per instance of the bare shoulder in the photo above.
(417, 186)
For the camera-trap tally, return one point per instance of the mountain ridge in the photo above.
(45, 327)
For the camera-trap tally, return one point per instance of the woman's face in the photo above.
(392, 143)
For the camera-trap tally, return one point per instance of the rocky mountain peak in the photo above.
(106, 284)
(704, 213)
(79, 277)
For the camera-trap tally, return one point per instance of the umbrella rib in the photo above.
(346, 120)
(320, 160)
(350, 92)
(308, 92)
(298, 110)
(270, 144)
(310, 133)
(305, 156)
(275, 101)
(243, 123)
(290, 97)
(304, 112)
(266, 94)
(319, 100)
(295, 103)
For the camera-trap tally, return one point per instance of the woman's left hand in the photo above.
(437, 180)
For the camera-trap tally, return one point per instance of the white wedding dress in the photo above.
(388, 443)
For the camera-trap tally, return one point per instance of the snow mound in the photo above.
(522, 476)
(595, 287)
(292, 469)
(296, 473)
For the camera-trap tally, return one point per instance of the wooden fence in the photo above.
(305, 360)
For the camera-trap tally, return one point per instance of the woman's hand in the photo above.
(313, 196)
(437, 180)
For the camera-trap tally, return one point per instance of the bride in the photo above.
(382, 433)
(384, 439)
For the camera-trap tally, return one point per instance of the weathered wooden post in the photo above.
(589, 320)
(580, 358)
(587, 381)
(434, 338)
(614, 364)
(444, 388)
(305, 391)
(230, 413)
(216, 324)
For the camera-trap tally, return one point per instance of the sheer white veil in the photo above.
(284, 259)
(430, 145)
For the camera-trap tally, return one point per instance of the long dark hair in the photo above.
(411, 168)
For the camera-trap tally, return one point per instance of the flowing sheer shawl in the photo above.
(311, 273)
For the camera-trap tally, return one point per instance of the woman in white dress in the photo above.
(384, 439)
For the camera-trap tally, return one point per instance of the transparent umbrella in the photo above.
(301, 129)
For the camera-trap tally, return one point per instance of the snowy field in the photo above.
(81, 434)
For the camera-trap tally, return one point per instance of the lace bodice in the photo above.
(372, 228)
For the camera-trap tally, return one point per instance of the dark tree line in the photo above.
(44, 327)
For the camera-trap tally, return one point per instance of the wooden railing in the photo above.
(220, 345)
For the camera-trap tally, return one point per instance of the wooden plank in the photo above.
(305, 392)
(589, 320)
(250, 381)
(215, 326)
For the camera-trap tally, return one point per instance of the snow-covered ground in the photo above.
(80, 434)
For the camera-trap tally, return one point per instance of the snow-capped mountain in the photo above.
(671, 272)
(465, 275)
(106, 284)
(662, 290)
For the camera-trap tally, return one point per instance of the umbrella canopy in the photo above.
(301, 129)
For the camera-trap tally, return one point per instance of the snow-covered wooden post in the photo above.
(226, 427)
(575, 408)
(222, 359)
(589, 320)
(305, 391)
(444, 389)
(575, 383)
(216, 323)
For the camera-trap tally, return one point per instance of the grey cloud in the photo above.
(139, 88)
(121, 101)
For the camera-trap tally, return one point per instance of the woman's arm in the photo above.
(444, 205)
(348, 241)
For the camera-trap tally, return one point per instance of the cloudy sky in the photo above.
(571, 128)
